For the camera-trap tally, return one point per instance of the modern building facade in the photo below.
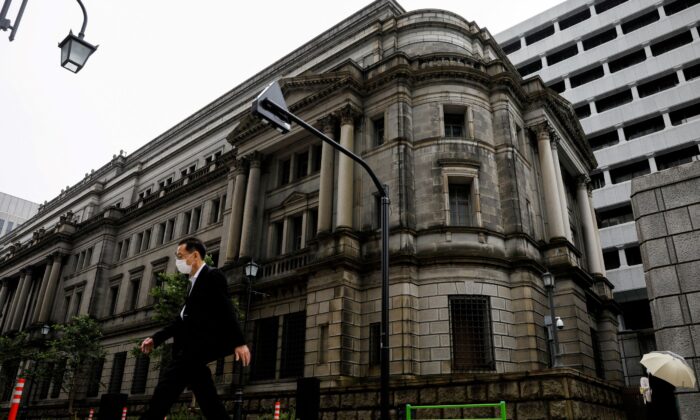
(667, 213)
(480, 166)
(630, 69)
(14, 211)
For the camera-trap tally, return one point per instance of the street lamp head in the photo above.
(262, 108)
(45, 329)
(74, 52)
(548, 279)
(251, 269)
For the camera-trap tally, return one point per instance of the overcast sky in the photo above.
(158, 62)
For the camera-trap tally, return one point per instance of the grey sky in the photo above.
(159, 61)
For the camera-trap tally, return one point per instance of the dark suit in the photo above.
(208, 331)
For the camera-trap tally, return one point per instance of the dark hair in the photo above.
(193, 244)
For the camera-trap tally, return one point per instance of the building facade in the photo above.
(630, 69)
(14, 211)
(489, 188)
(667, 212)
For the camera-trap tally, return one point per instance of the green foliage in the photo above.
(14, 348)
(169, 296)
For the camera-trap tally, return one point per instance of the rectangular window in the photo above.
(293, 339)
(633, 256)
(562, 54)
(615, 216)
(285, 167)
(66, 307)
(277, 235)
(640, 21)
(375, 343)
(295, 234)
(76, 304)
(88, 258)
(196, 219)
(186, 219)
(59, 372)
(132, 301)
(317, 151)
(611, 259)
(44, 384)
(627, 60)
(690, 73)
(470, 325)
(643, 128)
(95, 378)
(657, 85)
(586, 76)
(512, 47)
(678, 6)
(115, 379)
(139, 243)
(146, 243)
(138, 384)
(215, 210)
(302, 167)
(312, 223)
(118, 253)
(113, 295)
(597, 180)
(378, 131)
(454, 124)
(606, 5)
(627, 172)
(614, 100)
(539, 35)
(459, 204)
(125, 249)
(323, 343)
(265, 356)
(530, 68)
(574, 19)
(685, 114)
(671, 43)
(678, 157)
(160, 240)
(583, 111)
(170, 230)
(599, 39)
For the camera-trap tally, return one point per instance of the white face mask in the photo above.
(182, 266)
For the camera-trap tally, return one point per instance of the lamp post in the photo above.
(554, 321)
(272, 108)
(251, 272)
(74, 49)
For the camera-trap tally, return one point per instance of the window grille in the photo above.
(293, 339)
(138, 385)
(470, 324)
(265, 354)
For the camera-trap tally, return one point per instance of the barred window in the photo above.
(115, 379)
(375, 338)
(265, 354)
(293, 339)
(470, 324)
(138, 384)
(93, 386)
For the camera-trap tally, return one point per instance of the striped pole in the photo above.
(124, 413)
(277, 411)
(16, 398)
(92, 411)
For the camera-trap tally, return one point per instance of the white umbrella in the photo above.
(670, 367)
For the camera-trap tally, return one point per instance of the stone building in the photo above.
(667, 212)
(488, 183)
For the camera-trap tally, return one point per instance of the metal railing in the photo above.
(501, 405)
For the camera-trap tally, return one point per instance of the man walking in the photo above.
(205, 330)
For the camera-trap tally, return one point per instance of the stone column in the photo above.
(346, 170)
(327, 178)
(42, 291)
(237, 203)
(563, 203)
(10, 315)
(251, 197)
(599, 248)
(25, 284)
(551, 189)
(50, 295)
(3, 294)
(589, 231)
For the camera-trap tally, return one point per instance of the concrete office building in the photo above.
(479, 165)
(630, 69)
(14, 211)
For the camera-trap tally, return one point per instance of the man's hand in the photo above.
(242, 353)
(147, 345)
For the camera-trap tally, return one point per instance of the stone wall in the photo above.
(666, 208)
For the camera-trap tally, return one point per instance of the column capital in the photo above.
(542, 130)
(253, 160)
(327, 124)
(348, 114)
(583, 180)
(239, 166)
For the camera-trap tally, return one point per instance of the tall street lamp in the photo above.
(555, 323)
(271, 107)
(74, 49)
(251, 272)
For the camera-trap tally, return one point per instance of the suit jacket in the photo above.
(209, 329)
